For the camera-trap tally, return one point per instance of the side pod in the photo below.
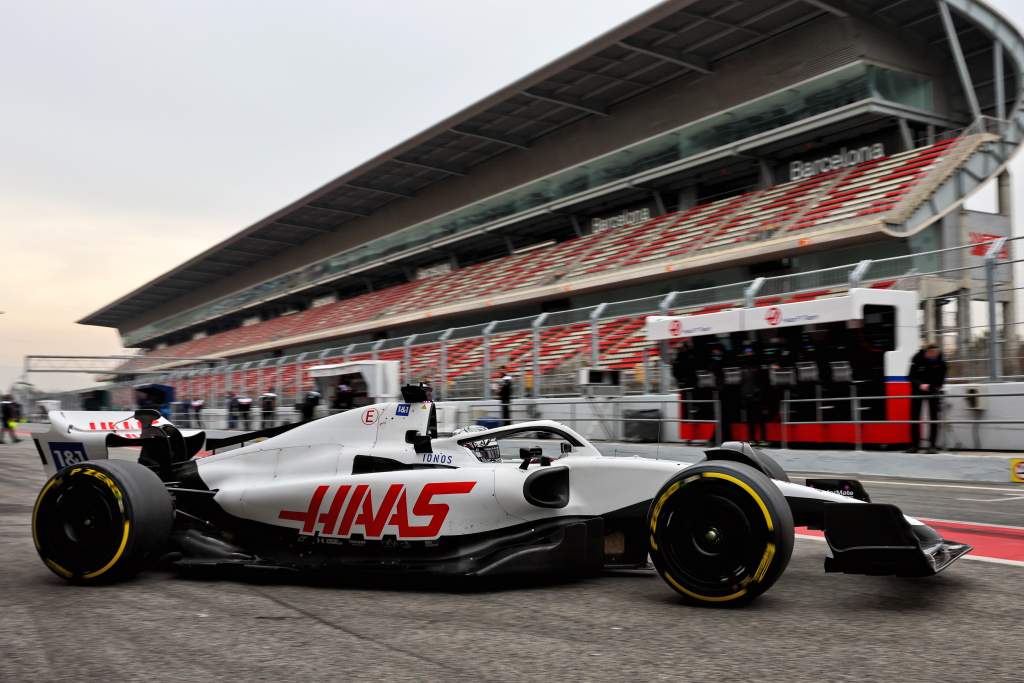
(877, 539)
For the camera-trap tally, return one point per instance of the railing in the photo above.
(587, 412)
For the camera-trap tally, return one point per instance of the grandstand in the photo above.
(698, 144)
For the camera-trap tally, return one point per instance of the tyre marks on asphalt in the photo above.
(368, 640)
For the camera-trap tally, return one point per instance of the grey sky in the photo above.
(135, 134)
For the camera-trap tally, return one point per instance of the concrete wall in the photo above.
(804, 52)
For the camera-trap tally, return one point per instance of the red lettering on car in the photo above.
(393, 510)
(436, 511)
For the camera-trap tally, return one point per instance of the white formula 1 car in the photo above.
(376, 490)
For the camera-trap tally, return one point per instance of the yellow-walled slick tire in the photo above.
(101, 521)
(721, 533)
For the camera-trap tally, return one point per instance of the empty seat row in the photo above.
(870, 188)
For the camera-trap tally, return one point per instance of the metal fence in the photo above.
(607, 421)
(966, 293)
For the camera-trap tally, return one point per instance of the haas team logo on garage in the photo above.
(773, 315)
(359, 513)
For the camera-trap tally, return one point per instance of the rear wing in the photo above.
(76, 436)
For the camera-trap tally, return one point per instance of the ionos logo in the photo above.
(624, 218)
(845, 157)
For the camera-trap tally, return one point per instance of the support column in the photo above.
(1004, 188)
(658, 202)
(958, 59)
(487, 359)
(905, 135)
(595, 334)
(765, 178)
(963, 319)
(687, 198)
(535, 353)
(999, 85)
(442, 363)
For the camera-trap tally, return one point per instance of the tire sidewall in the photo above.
(769, 498)
(146, 507)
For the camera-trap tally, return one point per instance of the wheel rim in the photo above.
(80, 525)
(712, 538)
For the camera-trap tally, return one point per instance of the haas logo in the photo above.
(773, 315)
(358, 512)
(675, 327)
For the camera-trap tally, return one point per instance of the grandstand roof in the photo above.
(677, 38)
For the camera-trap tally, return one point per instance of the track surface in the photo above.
(965, 624)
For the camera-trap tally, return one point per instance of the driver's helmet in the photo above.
(485, 450)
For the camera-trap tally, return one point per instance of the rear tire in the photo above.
(721, 533)
(101, 521)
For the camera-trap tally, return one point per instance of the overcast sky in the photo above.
(133, 135)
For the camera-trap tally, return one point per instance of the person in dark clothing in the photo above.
(684, 367)
(715, 363)
(927, 375)
(9, 413)
(268, 409)
(232, 410)
(244, 411)
(309, 403)
(197, 411)
(344, 396)
(752, 390)
(505, 396)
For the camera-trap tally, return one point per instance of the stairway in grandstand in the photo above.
(876, 192)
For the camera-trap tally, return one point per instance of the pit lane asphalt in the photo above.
(966, 624)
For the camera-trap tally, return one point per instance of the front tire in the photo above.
(101, 521)
(720, 533)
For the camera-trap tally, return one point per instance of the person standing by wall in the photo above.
(268, 409)
(197, 411)
(752, 388)
(9, 414)
(927, 375)
(232, 410)
(307, 408)
(244, 412)
(345, 395)
(505, 396)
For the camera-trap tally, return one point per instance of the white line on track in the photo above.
(993, 526)
(1007, 496)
